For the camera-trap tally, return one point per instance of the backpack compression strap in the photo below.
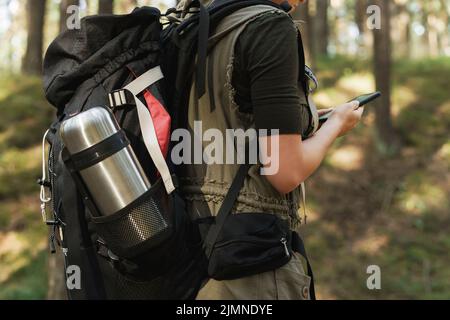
(148, 127)
(225, 209)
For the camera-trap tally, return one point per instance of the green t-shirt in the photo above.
(266, 73)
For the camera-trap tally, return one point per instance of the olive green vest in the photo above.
(205, 186)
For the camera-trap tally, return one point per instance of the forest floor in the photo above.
(365, 207)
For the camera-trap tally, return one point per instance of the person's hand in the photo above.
(347, 115)
(321, 112)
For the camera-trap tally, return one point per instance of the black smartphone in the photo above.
(362, 99)
(366, 98)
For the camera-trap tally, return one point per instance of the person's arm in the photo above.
(298, 159)
(268, 51)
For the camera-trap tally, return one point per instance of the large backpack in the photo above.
(90, 67)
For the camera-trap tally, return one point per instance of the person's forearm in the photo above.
(315, 148)
(295, 166)
(299, 159)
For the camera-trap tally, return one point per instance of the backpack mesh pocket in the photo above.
(140, 226)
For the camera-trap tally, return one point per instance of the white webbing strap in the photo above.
(303, 189)
(147, 125)
(42, 195)
(315, 115)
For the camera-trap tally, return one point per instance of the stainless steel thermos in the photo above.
(114, 182)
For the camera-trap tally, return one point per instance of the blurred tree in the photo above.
(64, 4)
(365, 41)
(320, 27)
(32, 61)
(403, 27)
(424, 10)
(382, 70)
(445, 37)
(105, 6)
(407, 40)
(56, 277)
(127, 5)
(360, 15)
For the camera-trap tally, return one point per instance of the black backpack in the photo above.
(87, 68)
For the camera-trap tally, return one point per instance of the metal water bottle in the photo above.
(114, 182)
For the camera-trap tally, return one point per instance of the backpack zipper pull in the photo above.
(284, 242)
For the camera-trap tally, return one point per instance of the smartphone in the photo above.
(362, 99)
(366, 98)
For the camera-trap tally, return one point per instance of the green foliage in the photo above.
(25, 115)
(29, 282)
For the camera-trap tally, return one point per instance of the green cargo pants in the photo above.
(286, 283)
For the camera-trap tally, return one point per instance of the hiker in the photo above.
(253, 81)
(136, 81)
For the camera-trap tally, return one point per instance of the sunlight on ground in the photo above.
(370, 244)
(422, 195)
(359, 83)
(444, 153)
(14, 159)
(16, 251)
(345, 89)
(323, 293)
(444, 111)
(311, 210)
(347, 158)
(402, 97)
(22, 240)
(324, 99)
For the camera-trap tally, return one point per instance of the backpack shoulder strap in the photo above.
(209, 18)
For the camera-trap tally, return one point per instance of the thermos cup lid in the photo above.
(88, 128)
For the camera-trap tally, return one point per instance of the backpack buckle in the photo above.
(121, 97)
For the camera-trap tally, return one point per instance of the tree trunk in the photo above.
(56, 278)
(127, 5)
(408, 38)
(401, 17)
(382, 68)
(433, 36)
(425, 36)
(360, 16)
(105, 6)
(320, 22)
(444, 36)
(63, 15)
(32, 61)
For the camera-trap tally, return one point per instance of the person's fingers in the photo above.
(354, 104)
(324, 111)
(360, 111)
